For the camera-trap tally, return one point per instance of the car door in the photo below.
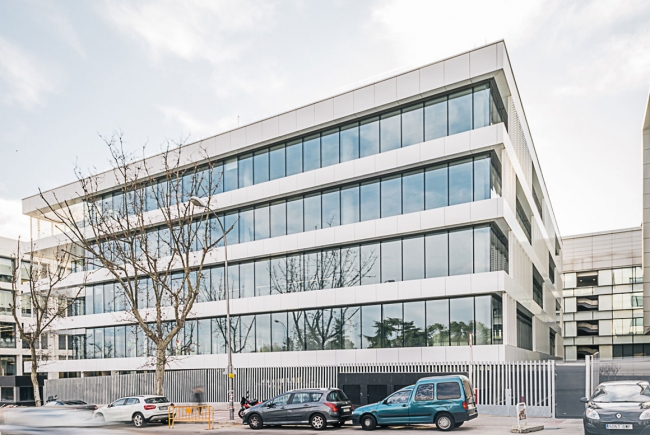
(112, 412)
(275, 409)
(449, 396)
(129, 408)
(298, 408)
(394, 409)
(422, 406)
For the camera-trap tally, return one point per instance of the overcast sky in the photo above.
(157, 70)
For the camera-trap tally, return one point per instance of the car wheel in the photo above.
(99, 418)
(459, 424)
(241, 414)
(444, 422)
(255, 422)
(317, 422)
(368, 422)
(138, 420)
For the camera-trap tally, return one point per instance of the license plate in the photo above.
(618, 426)
(163, 408)
(346, 409)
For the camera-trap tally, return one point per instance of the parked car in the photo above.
(139, 410)
(446, 401)
(618, 407)
(75, 404)
(316, 407)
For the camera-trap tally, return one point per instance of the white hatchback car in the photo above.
(139, 410)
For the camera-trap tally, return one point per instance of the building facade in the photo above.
(423, 191)
(603, 295)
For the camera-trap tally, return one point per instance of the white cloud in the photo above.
(12, 221)
(192, 30)
(188, 122)
(24, 77)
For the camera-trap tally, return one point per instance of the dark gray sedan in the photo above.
(618, 407)
(316, 407)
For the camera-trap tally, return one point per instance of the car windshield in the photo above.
(639, 392)
(156, 400)
(337, 396)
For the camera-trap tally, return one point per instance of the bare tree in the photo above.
(36, 282)
(146, 235)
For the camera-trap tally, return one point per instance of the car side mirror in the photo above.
(584, 400)
(385, 402)
(110, 405)
(271, 405)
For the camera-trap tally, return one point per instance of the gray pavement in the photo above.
(484, 425)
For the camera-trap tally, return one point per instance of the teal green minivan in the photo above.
(446, 401)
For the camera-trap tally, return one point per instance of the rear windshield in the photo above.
(337, 396)
(156, 400)
(467, 386)
(448, 390)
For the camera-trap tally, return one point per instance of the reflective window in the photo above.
(391, 261)
(278, 219)
(313, 330)
(413, 259)
(261, 166)
(294, 216)
(120, 342)
(351, 272)
(276, 162)
(262, 223)
(294, 157)
(371, 326)
(369, 137)
(246, 280)
(482, 247)
(349, 205)
(245, 170)
(483, 320)
(263, 333)
(460, 182)
(391, 134)
(370, 264)
(278, 275)
(413, 192)
(370, 201)
(414, 325)
(437, 258)
(331, 209)
(435, 116)
(204, 337)
(351, 330)
(279, 331)
(349, 142)
(262, 278)
(412, 125)
(294, 273)
(232, 220)
(461, 315)
(330, 147)
(230, 174)
(233, 281)
(392, 325)
(391, 196)
(482, 174)
(481, 106)
(311, 153)
(436, 187)
(437, 312)
(247, 333)
(460, 111)
(109, 342)
(312, 212)
(460, 252)
(246, 226)
(331, 336)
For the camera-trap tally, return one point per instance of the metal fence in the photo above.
(500, 385)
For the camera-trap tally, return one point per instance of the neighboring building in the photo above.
(431, 174)
(646, 215)
(603, 295)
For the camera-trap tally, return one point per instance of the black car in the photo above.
(618, 407)
(316, 407)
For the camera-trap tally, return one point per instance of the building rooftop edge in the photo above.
(600, 233)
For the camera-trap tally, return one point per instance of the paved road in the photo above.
(484, 425)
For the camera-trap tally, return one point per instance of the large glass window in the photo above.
(246, 280)
(412, 125)
(369, 137)
(481, 106)
(482, 249)
(276, 162)
(371, 326)
(391, 133)
(262, 224)
(279, 331)
(231, 178)
(436, 186)
(370, 201)
(460, 111)
(437, 255)
(461, 317)
(435, 115)
(311, 153)
(245, 170)
(413, 258)
(392, 325)
(437, 315)
(263, 333)
(331, 209)
(460, 252)
(351, 327)
(349, 205)
(460, 182)
(312, 212)
(391, 196)
(391, 261)
(246, 226)
(482, 175)
(330, 147)
(294, 216)
(349, 142)
(413, 192)
(278, 275)
(294, 157)
(261, 166)
(278, 219)
(483, 320)
(262, 278)
(414, 325)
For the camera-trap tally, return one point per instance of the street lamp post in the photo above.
(231, 403)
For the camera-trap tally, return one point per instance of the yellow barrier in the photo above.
(190, 414)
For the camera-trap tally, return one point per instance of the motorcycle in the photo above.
(245, 404)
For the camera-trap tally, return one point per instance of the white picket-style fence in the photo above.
(499, 385)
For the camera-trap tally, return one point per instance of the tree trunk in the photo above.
(34, 375)
(161, 361)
